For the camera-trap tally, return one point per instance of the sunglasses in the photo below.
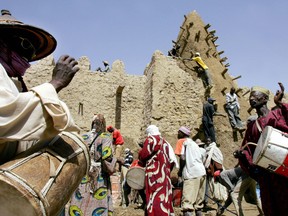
(23, 47)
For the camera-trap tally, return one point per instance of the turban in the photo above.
(260, 89)
(152, 130)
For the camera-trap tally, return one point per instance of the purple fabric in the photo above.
(185, 130)
(14, 65)
(273, 187)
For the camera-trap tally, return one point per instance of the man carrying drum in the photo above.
(273, 187)
(37, 114)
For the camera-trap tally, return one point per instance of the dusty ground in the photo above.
(131, 210)
(249, 210)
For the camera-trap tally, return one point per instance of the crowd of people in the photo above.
(31, 116)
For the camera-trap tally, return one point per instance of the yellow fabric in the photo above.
(260, 89)
(200, 62)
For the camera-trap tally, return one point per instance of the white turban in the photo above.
(152, 130)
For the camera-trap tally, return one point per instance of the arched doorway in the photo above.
(118, 108)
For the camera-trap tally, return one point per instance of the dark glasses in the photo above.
(23, 47)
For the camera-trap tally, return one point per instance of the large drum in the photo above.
(41, 180)
(272, 150)
(135, 177)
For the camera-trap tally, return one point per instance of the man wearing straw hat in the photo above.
(273, 187)
(36, 114)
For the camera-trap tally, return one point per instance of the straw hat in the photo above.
(13, 32)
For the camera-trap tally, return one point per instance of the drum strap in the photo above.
(258, 126)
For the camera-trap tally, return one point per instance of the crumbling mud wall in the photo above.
(169, 94)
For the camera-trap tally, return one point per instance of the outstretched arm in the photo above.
(279, 95)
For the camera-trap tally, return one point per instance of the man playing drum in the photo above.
(37, 114)
(273, 187)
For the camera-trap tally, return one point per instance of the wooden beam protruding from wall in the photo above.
(238, 77)
(223, 59)
(207, 26)
(246, 92)
(224, 71)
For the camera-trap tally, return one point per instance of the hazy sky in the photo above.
(253, 33)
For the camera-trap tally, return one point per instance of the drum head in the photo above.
(135, 178)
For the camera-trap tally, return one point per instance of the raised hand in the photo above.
(279, 94)
(64, 71)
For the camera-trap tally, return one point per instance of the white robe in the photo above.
(34, 115)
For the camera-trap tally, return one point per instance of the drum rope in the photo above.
(30, 189)
(41, 196)
(21, 162)
(81, 143)
(48, 185)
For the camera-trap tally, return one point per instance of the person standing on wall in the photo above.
(204, 67)
(232, 107)
(207, 119)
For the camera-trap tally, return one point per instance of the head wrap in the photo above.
(152, 130)
(260, 89)
(13, 63)
(185, 130)
(99, 123)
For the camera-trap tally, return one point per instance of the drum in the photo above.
(41, 180)
(272, 150)
(135, 177)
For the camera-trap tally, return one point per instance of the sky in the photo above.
(253, 33)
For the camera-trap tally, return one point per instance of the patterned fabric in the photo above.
(158, 187)
(93, 196)
(273, 187)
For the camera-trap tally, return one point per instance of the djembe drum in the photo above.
(41, 180)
